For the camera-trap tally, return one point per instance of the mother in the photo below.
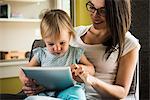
(110, 47)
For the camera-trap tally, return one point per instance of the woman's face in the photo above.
(97, 13)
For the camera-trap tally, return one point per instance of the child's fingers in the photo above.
(27, 80)
(74, 69)
(79, 70)
(76, 66)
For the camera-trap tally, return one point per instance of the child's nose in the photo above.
(57, 48)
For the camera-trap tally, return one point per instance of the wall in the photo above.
(82, 16)
(141, 29)
(17, 35)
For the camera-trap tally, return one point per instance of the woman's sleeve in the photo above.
(130, 43)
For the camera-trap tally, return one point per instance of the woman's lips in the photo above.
(98, 22)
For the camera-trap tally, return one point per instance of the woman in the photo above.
(110, 47)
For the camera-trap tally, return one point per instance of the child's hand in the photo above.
(30, 86)
(74, 70)
(31, 90)
(86, 77)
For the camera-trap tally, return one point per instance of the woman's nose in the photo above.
(95, 13)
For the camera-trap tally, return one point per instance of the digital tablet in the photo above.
(53, 78)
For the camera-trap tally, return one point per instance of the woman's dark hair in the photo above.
(118, 19)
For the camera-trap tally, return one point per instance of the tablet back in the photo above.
(53, 78)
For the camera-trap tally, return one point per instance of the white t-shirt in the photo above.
(106, 70)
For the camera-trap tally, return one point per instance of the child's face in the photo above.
(58, 46)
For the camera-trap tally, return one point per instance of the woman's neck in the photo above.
(94, 36)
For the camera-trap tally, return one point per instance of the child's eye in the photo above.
(51, 44)
(62, 43)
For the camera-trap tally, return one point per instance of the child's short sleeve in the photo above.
(79, 53)
(37, 53)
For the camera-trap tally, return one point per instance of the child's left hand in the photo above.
(78, 71)
(75, 72)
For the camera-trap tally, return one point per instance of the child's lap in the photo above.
(73, 93)
(41, 98)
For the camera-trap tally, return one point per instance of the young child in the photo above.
(56, 31)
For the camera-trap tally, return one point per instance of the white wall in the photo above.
(17, 35)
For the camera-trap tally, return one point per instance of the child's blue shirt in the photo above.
(45, 58)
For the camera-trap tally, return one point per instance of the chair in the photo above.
(36, 43)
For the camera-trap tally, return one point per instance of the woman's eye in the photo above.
(102, 11)
(91, 7)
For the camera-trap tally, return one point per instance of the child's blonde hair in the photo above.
(54, 21)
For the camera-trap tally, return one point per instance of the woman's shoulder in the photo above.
(131, 39)
(81, 29)
(131, 42)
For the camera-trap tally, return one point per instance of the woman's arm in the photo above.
(120, 89)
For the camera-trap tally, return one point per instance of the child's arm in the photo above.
(86, 65)
(22, 76)
(33, 62)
